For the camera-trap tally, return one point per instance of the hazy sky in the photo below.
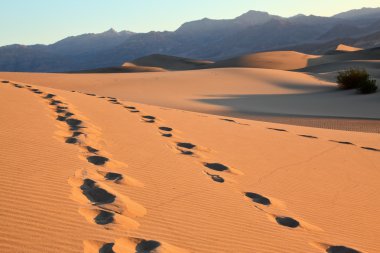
(46, 21)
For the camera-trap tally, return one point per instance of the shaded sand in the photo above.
(310, 189)
(171, 62)
(240, 92)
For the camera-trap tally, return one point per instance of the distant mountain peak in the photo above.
(358, 13)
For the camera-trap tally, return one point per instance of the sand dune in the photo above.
(271, 95)
(283, 60)
(345, 48)
(124, 177)
(125, 68)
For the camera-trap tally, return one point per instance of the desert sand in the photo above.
(346, 48)
(89, 173)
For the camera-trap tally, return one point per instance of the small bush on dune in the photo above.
(356, 79)
(368, 87)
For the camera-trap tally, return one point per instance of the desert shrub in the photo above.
(352, 78)
(356, 79)
(367, 87)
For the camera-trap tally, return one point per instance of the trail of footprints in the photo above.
(101, 204)
(187, 148)
(106, 206)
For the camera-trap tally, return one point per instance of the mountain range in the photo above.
(209, 39)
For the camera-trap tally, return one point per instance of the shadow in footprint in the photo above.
(277, 129)
(257, 198)
(130, 107)
(186, 145)
(96, 194)
(343, 142)
(55, 102)
(371, 149)
(97, 160)
(340, 249)
(166, 129)
(287, 222)
(308, 136)
(5, 81)
(216, 166)
(229, 120)
(76, 134)
(216, 178)
(112, 176)
(167, 135)
(104, 218)
(107, 248)
(49, 96)
(61, 118)
(92, 150)
(71, 140)
(74, 124)
(134, 111)
(147, 246)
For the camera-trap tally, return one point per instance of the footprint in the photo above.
(308, 136)
(55, 102)
(130, 107)
(18, 86)
(216, 166)
(149, 119)
(48, 96)
(112, 176)
(277, 129)
(186, 145)
(61, 118)
(216, 178)
(71, 140)
(340, 249)
(134, 111)
(287, 221)
(92, 150)
(76, 134)
(371, 149)
(104, 218)
(97, 160)
(343, 142)
(91, 94)
(257, 198)
(147, 246)
(5, 81)
(74, 124)
(107, 248)
(229, 120)
(166, 129)
(96, 194)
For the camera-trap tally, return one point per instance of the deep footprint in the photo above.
(95, 194)
(371, 149)
(112, 176)
(147, 246)
(107, 248)
(340, 249)
(104, 218)
(166, 129)
(343, 142)
(71, 140)
(287, 222)
(97, 160)
(216, 178)
(258, 198)
(216, 166)
(308, 136)
(186, 145)
(278, 129)
(92, 150)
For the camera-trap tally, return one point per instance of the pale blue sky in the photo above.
(46, 21)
